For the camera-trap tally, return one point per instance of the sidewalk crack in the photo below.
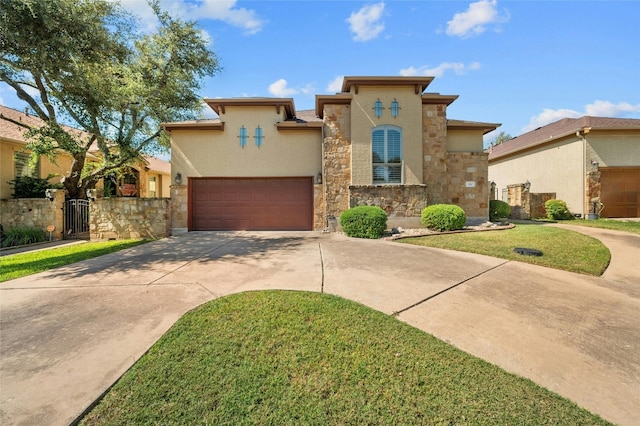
(447, 289)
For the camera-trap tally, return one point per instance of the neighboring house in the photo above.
(381, 141)
(151, 179)
(591, 163)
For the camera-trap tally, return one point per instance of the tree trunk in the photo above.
(72, 182)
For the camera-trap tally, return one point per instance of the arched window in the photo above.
(386, 154)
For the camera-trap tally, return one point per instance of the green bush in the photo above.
(498, 209)
(364, 222)
(32, 187)
(22, 235)
(557, 210)
(443, 217)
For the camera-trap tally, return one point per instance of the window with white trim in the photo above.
(386, 154)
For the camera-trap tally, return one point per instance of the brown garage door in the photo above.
(217, 204)
(620, 192)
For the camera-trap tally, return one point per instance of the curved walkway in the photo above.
(69, 333)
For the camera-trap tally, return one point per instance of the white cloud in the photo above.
(221, 10)
(608, 109)
(475, 19)
(598, 109)
(335, 85)
(457, 67)
(365, 23)
(226, 11)
(280, 89)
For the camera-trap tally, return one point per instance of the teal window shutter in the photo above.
(243, 136)
(378, 108)
(258, 136)
(395, 108)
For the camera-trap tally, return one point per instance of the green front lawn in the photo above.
(295, 358)
(561, 248)
(23, 264)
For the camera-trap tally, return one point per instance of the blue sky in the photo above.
(520, 63)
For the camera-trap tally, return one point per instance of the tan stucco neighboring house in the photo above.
(380, 141)
(591, 163)
(148, 179)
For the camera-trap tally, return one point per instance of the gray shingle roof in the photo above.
(559, 129)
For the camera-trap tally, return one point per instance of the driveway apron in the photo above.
(69, 333)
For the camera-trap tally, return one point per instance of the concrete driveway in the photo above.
(69, 333)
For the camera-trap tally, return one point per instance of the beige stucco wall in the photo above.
(613, 149)
(363, 120)
(464, 141)
(199, 153)
(7, 172)
(557, 167)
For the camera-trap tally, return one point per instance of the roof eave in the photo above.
(219, 104)
(169, 127)
(284, 125)
(337, 99)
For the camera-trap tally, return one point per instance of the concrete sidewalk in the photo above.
(69, 333)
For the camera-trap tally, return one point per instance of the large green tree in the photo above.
(82, 63)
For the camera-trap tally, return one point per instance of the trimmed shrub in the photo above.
(32, 187)
(498, 209)
(443, 217)
(364, 222)
(22, 235)
(557, 210)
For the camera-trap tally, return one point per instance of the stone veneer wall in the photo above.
(319, 221)
(592, 189)
(469, 168)
(434, 152)
(336, 160)
(123, 218)
(34, 212)
(396, 200)
(179, 209)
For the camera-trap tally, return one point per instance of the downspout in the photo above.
(585, 207)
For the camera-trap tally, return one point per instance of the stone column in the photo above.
(336, 160)
(179, 209)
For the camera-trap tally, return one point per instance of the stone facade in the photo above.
(318, 207)
(123, 218)
(109, 218)
(179, 209)
(525, 204)
(34, 212)
(396, 200)
(434, 152)
(592, 195)
(467, 183)
(336, 159)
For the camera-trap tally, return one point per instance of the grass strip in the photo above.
(23, 264)
(614, 225)
(561, 248)
(296, 358)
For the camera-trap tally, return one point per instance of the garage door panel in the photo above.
(251, 203)
(620, 192)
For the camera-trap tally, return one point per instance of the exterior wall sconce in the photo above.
(178, 178)
(527, 186)
(49, 194)
(595, 164)
(395, 108)
(378, 108)
(319, 178)
(91, 194)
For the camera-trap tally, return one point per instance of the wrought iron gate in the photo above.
(76, 220)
